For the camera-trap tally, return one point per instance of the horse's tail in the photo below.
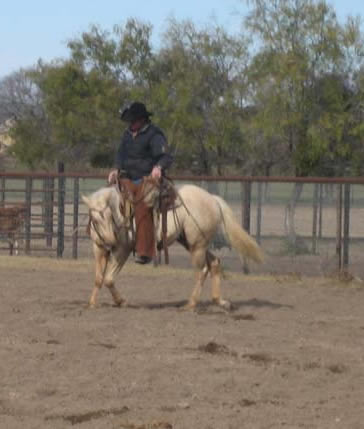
(240, 240)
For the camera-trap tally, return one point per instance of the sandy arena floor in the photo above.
(289, 355)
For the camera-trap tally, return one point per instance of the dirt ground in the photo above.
(290, 354)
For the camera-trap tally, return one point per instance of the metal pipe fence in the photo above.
(310, 225)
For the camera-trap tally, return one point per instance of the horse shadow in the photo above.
(204, 306)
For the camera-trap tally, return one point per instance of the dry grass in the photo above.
(34, 263)
(81, 265)
(86, 265)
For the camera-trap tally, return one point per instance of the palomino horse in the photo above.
(193, 223)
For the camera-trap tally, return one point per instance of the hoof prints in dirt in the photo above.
(335, 368)
(251, 402)
(214, 348)
(259, 358)
(53, 342)
(247, 403)
(151, 425)
(109, 346)
(243, 317)
(75, 419)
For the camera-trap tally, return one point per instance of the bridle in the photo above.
(94, 225)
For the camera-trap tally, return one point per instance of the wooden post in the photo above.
(321, 197)
(61, 204)
(76, 189)
(259, 212)
(46, 209)
(50, 200)
(2, 194)
(339, 226)
(246, 203)
(43, 207)
(346, 226)
(28, 213)
(314, 217)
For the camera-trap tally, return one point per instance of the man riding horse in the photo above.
(143, 152)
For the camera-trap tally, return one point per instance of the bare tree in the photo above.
(20, 97)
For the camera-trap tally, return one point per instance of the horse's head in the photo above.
(105, 218)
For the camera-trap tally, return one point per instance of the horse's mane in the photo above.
(103, 198)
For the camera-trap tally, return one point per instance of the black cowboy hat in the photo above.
(134, 112)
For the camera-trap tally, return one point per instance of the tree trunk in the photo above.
(294, 242)
(266, 189)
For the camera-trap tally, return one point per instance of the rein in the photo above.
(134, 201)
(96, 228)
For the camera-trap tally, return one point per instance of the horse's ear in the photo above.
(86, 200)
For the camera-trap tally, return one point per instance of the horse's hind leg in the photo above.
(101, 260)
(200, 263)
(215, 271)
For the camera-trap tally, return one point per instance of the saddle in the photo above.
(159, 195)
(167, 202)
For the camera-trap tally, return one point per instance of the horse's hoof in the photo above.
(188, 307)
(223, 303)
(91, 306)
(226, 305)
(122, 303)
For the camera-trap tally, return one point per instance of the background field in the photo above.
(315, 256)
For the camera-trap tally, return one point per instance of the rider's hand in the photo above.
(113, 176)
(156, 172)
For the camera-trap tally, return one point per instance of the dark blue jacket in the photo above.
(137, 156)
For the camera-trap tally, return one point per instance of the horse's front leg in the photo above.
(101, 261)
(118, 259)
(200, 277)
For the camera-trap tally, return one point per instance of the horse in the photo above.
(193, 222)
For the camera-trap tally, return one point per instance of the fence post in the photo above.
(321, 188)
(51, 211)
(61, 204)
(346, 226)
(3, 184)
(48, 220)
(246, 199)
(339, 226)
(76, 189)
(259, 212)
(247, 187)
(28, 213)
(314, 218)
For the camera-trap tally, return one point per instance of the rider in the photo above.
(143, 152)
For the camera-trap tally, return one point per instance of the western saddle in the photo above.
(161, 196)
